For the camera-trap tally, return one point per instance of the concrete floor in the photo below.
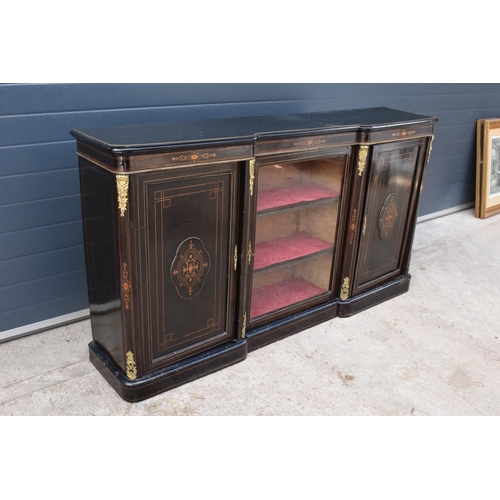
(432, 351)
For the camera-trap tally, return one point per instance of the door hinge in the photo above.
(122, 190)
(244, 328)
(251, 167)
(344, 291)
(364, 225)
(131, 366)
(362, 156)
(235, 257)
(249, 253)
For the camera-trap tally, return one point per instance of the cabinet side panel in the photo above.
(102, 258)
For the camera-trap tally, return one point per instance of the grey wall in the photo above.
(42, 269)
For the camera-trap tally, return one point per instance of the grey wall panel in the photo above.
(41, 265)
(29, 99)
(25, 159)
(40, 239)
(36, 129)
(38, 186)
(41, 290)
(39, 213)
(445, 197)
(58, 307)
(41, 258)
(19, 99)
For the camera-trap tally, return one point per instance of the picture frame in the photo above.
(487, 168)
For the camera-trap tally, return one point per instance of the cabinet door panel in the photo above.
(386, 214)
(187, 230)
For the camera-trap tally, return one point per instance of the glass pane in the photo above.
(297, 211)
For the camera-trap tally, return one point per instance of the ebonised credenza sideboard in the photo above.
(207, 239)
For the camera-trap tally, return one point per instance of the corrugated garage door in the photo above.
(42, 270)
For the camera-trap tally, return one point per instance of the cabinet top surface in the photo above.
(127, 138)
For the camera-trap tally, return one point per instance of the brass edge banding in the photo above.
(304, 150)
(392, 139)
(131, 366)
(135, 170)
(138, 170)
(344, 291)
(251, 167)
(96, 162)
(122, 190)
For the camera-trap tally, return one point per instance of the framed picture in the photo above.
(488, 168)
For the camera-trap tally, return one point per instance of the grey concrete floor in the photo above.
(432, 351)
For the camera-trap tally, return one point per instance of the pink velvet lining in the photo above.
(278, 295)
(281, 197)
(287, 248)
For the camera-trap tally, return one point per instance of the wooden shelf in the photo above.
(293, 198)
(282, 294)
(290, 249)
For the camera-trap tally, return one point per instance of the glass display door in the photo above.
(297, 214)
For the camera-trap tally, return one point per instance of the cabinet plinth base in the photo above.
(168, 377)
(279, 329)
(373, 297)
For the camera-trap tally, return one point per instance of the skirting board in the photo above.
(442, 213)
(47, 324)
(85, 313)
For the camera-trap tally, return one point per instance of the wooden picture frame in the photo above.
(488, 168)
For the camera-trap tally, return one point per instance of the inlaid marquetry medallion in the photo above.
(190, 267)
(387, 217)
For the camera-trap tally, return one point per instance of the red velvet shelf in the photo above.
(282, 250)
(288, 197)
(278, 295)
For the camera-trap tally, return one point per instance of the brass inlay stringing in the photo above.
(309, 142)
(403, 133)
(235, 257)
(344, 291)
(363, 154)
(126, 285)
(194, 156)
(251, 167)
(249, 253)
(122, 190)
(430, 149)
(353, 226)
(131, 366)
(364, 225)
(244, 328)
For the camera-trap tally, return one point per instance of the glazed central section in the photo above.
(295, 233)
